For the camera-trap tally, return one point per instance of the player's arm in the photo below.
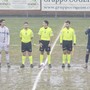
(61, 33)
(40, 33)
(20, 35)
(61, 37)
(32, 35)
(74, 38)
(50, 42)
(8, 37)
(51, 35)
(40, 43)
(86, 32)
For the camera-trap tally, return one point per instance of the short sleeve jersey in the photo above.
(45, 34)
(26, 35)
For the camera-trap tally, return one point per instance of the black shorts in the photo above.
(88, 48)
(67, 45)
(26, 47)
(45, 46)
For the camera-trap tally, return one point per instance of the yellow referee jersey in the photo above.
(67, 35)
(45, 34)
(26, 35)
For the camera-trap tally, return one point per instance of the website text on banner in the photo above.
(65, 5)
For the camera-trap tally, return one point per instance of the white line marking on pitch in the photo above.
(40, 72)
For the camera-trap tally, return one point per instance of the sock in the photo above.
(0, 57)
(64, 58)
(41, 58)
(69, 58)
(7, 58)
(31, 59)
(86, 58)
(23, 59)
(49, 59)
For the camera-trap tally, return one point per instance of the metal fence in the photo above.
(35, 13)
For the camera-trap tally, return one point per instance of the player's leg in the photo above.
(6, 48)
(64, 56)
(30, 59)
(41, 57)
(29, 50)
(69, 58)
(49, 59)
(69, 49)
(48, 49)
(23, 50)
(1, 47)
(23, 59)
(7, 59)
(87, 57)
(0, 59)
(41, 49)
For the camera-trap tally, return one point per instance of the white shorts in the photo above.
(4, 46)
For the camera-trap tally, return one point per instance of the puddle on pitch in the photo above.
(56, 78)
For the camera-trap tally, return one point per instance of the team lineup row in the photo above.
(67, 40)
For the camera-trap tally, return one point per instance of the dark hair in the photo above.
(2, 20)
(25, 22)
(46, 22)
(67, 22)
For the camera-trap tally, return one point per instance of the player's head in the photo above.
(26, 25)
(2, 22)
(67, 24)
(45, 23)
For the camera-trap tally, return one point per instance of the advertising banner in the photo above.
(65, 5)
(19, 4)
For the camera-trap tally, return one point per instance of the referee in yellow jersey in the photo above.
(26, 36)
(67, 40)
(45, 33)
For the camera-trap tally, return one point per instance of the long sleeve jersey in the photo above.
(68, 35)
(4, 35)
(87, 32)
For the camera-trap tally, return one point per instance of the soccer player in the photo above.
(67, 39)
(4, 41)
(45, 33)
(26, 36)
(88, 47)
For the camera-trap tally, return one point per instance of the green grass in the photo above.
(16, 24)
